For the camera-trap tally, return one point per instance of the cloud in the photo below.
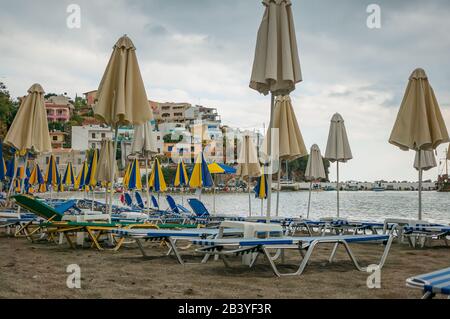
(201, 51)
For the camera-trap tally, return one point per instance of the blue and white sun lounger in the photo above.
(433, 283)
(170, 237)
(425, 233)
(238, 246)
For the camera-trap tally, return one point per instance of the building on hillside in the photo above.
(62, 157)
(89, 136)
(198, 112)
(169, 112)
(90, 97)
(58, 139)
(59, 109)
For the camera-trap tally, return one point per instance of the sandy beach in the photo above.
(38, 270)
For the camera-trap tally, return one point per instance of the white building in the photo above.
(89, 136)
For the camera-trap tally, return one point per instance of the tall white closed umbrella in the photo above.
(289, 138)
(144, 144)
(338, 149)
(276, 66)
(122, 99)
(314, 170)
(248, 164)
(419, 124)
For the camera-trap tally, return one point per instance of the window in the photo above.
(159, 150)
(47, 159)
(93, 135)
(158, 138)
(55, 138)
(57, 160)
(103, 135)
(170, 148)
(165, 115)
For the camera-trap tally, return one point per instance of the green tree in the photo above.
(8, 109)
(297, 168)
(49, 95)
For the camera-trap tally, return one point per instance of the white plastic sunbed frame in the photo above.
(170, 237)
(236, 246)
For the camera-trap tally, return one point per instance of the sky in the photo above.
(201, 52)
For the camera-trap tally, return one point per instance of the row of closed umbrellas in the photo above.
(122, 100)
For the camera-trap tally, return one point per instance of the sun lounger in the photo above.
(170, 237)
(202, 215)
(227, 247)
(425, 233)
(437, 282)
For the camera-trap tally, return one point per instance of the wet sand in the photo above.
(38, 270)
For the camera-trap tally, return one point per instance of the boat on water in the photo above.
(287, 185)
(443, 182)
(378, 189)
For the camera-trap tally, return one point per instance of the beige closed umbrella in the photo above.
(248, 164)
(314, 170)
(29, 130)
(122, 99)
(288, 136)
(419, 124)
(427, 160)
(276, 65)
(104, 166)
(144, 145)
(338, 148)
(448, 154)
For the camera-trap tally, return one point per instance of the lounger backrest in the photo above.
(37, 207)
(173, 206)
(128, 199)
(65, 206)
(197, 206)
(155, 202)
(139, 200)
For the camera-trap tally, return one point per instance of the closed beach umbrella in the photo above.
(126, 176)
(43, 188)
(314, 169)
(290, 139)
(261, 190)
(122, 99)
(338, 149)
(103, 172)
(69, 176)
(427, 160)
(92, 169)
(276, 66)
(60, 185)
(156, 181)
(52, 175)
(80, 181)
(248, 165)
(419, 124)
(134, 180)
(200, 176)
(144, 145)
(181, 178)
(218, 168)
(36, 176)
(29, 129)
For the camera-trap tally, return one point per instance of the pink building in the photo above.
(59, 109)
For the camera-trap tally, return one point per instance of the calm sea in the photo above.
(360, 205)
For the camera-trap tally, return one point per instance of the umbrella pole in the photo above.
(11, 186)
(420, 186)
(249, 198)
(262, 206)
(269, 148)
(337, 187)
(309, 198)
(278, 190)
(146, 184)
(113, 169)
(214, 196)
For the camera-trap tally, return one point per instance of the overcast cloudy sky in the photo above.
(201, 51)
